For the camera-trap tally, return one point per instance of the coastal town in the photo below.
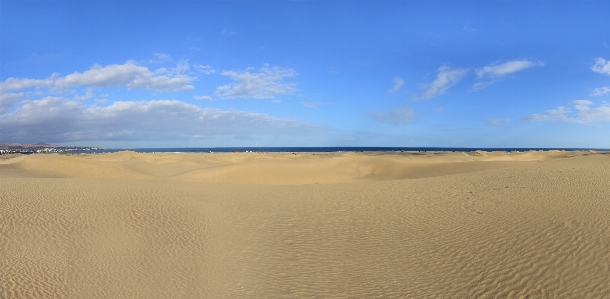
(18, 148)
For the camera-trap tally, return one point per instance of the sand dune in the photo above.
(269, 168)
(323, 225)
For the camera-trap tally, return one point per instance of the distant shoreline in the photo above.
(336, 149)
(30, 149)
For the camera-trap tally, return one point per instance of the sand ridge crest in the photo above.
(271, 168)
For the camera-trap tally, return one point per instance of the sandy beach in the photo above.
(306, 225)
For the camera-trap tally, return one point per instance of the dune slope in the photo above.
(127, 225)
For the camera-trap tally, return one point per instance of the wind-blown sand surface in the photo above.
(323, 225)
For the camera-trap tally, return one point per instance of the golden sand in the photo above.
(306, 225)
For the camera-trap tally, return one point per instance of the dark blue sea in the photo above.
(330, 149)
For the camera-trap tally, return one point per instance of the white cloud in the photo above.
(396, 116)
(7, 101)
(180, 68)
(558, 114)
(585, 113)
(468, 28)
(203, 98)
(23, 83)
(85, 97)
(128, 74)
(6, 97)
(582, 104)
(61, 120)
(600, 91)
(601, 66)
(503, 69)
(206, 69)
(439, 109)
(265, 84)
(160, 57)
(494, 72)
(482, 84)
(398, 83)
(311, 104)
(497, 122)
(445, 79)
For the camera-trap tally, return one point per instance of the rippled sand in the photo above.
(283, 225)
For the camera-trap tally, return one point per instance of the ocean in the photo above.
(330, 149)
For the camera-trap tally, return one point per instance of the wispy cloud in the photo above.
(558, 114)
(206, 69)
(396, 116)
(482, 84)
(267, 83)
(398, 83)
(128, 75)
(600, 91)
(203, 98)
(494, 72)
(160, 57)
(445, 79)
(503, 69)
(585, 113)
(497, 122)
(601, 66)
(468, 28)
(311, 104)
(57, 119)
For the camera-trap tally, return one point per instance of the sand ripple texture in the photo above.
(481, 225)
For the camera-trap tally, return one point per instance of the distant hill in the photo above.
(40, 147)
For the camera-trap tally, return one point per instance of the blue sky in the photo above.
(306, 73)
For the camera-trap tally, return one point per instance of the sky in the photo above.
(306, 73)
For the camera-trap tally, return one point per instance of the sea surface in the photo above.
(328, 149)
